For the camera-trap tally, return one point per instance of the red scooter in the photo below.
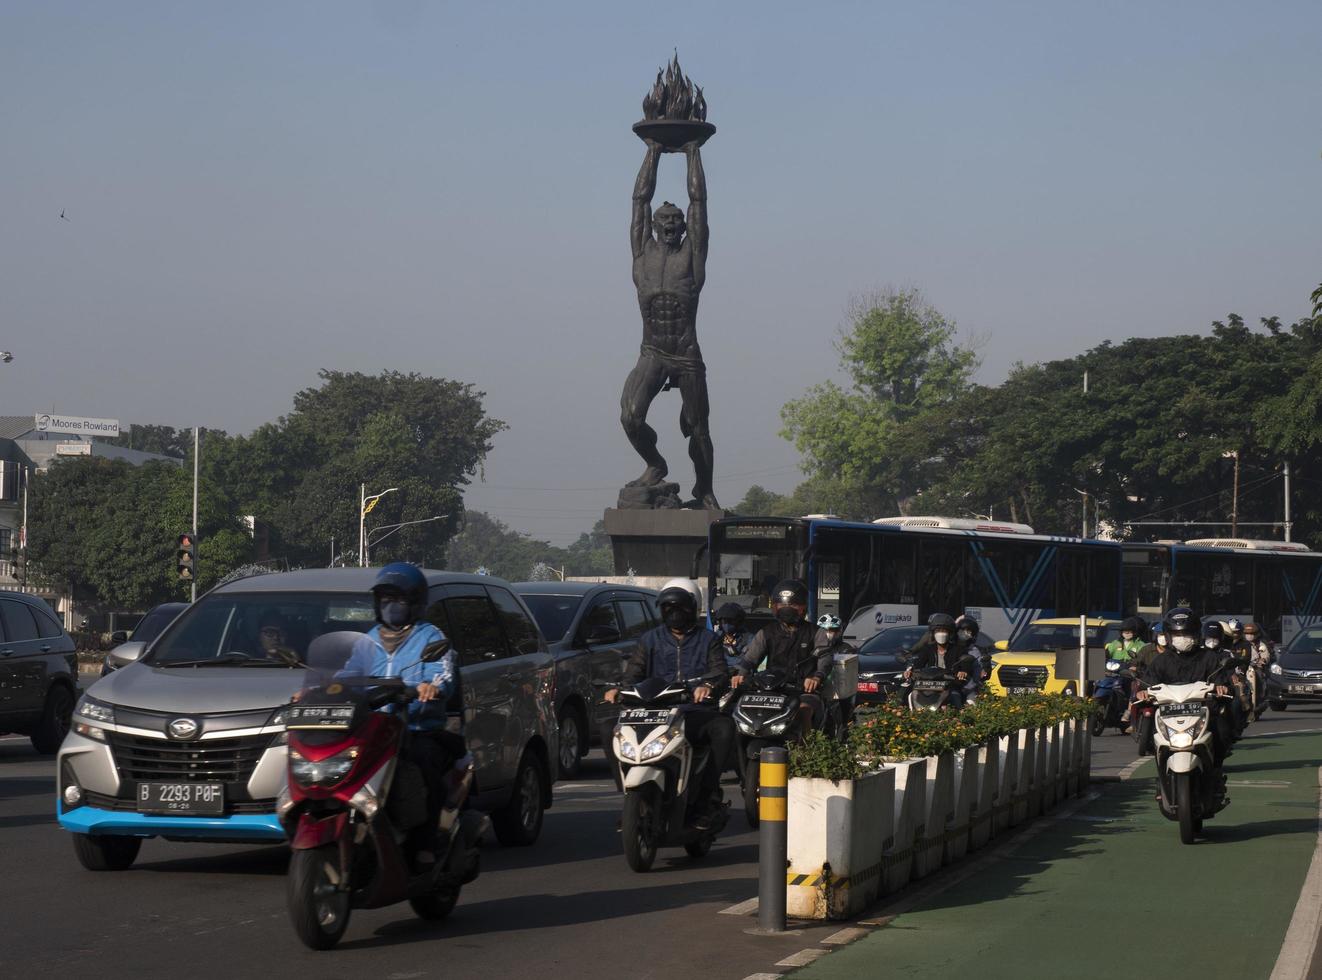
(345, 827)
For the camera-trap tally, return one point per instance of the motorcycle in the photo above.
(1110, 698)
(766, 714)
(1192, 788)
(345, 830)
(934, 688)
(661, 771)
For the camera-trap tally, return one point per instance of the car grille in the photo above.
(1014, 676)
(219, 760)
(103, 802)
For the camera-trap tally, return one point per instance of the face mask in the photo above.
(1161, 639)
(1126, 636)
(729, 629)
(677, 618)
(1211, 643)
(966, 637)
(395, 613)
(788, 615)
(941, 637)
(832, 636)
(1183, 643)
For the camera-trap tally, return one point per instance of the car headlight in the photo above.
(1276, 668)
(94, 710)
(324, 773)
(277, 720)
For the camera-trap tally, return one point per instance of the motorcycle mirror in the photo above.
(435, 651)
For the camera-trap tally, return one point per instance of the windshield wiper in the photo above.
(234, 659)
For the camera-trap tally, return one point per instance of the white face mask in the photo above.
(1161, 639)
(941, 637)
(1183, 643)
(1212, 643)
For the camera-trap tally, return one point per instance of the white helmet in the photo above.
(828, 622)
(670, 592)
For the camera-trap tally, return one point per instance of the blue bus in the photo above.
(898, 571)
(1276, 584)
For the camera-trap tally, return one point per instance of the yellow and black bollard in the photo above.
(773, 841)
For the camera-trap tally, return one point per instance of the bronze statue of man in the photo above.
(669, 269)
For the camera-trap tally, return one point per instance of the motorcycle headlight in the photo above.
(655, 745)
(778, 728)
(94, 710)
(1182, 738)
(625, 749)
(324, 773)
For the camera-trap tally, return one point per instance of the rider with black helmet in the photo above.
(1188, 660)
(939, 647)
(735, 637)
(789, 648)
(404, 645)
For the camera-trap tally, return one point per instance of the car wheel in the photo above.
(573, 733)
(519, 822)
(56, 717)
(106, 853)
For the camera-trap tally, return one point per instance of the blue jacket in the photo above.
(658, 654)
(369, 659)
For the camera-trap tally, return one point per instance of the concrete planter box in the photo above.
(1008, 764)
(910, 810)
(929, 846)
(836, 833)
(1083, 753)
(1023, 799)
(1069, 770)
(987, 786)
(967, 776)
(1037, 795)
(1051, 768)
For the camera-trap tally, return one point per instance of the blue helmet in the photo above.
(406, 579)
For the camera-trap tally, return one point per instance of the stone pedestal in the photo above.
(659, 542)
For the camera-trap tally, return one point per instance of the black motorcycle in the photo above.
(934, 688)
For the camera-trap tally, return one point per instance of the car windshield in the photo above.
(1061, 636)
(151, 625)
(260, 629)
(553, 613)
(1308, 641)
(899, 639)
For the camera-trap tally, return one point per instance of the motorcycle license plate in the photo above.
(1021, 690)
(319, 716)
(929, 685)
(868, 687)
(196, 799)
(763, 701)
(644, 716)
(1187, 708)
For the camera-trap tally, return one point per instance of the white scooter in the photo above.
(1192, 788)
(661, 772)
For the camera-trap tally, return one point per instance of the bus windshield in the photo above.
(747, 561)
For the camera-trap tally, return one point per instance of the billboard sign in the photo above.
(73, 449)
(76, 425)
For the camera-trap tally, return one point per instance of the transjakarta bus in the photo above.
(898, 571)
(1277, 584)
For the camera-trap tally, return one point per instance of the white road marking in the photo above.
(803, 957)
(1128, 770)
(743, 908)
(1299, 948)
(1263, 783)
(845, 936)
(764, 976)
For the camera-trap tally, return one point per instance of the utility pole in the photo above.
(1234, 501)
(1287, 500)
(197, 442)
(23, 532)
(362, 518)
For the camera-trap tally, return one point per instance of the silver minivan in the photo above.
(186, 740)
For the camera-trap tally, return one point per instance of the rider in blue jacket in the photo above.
(405, 645)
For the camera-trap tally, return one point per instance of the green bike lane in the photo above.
(1090, 888)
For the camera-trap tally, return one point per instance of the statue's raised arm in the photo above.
(697, 216)
(640, 228)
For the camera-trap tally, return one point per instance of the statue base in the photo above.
(659, 543)
(658, 496)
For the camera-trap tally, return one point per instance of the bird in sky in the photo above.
(62, 217)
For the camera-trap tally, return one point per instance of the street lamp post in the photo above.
(363, 508)
(392, 528)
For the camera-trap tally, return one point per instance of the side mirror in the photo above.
(118, 637)
(125, 654)
(435, 651)
(1002, 645)
(602, 636)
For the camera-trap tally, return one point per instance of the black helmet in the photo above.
(1132, 625)
(940, 621)
(790, 592)
(731, 612)
(1213, 630)
(1182, 629)
(405, 579)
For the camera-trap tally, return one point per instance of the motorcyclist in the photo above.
(682, 650)
(735, 637)
(831, 642)
(966, 637)
(402, 644)
(789, 648)
(1214, 638)
(1255, 650)
(1124, 649)
(1188, 660)
(1142, 660)
(939, 647)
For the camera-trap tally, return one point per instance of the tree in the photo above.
(485, 542)
(163, 439)
(104, 531)
(905, 365)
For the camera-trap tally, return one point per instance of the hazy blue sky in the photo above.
(259, 190)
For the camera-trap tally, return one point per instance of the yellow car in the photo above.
(1028, 663)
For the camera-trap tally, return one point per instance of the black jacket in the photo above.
(1185, 668)
(792, 653)
(957, 657)
(699, 653)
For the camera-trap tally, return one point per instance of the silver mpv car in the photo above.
(186, 740)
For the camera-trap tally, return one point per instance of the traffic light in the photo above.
(186, 556)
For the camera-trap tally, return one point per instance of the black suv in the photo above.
(38, 672)
(591, 629)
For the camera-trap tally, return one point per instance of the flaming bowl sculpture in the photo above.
(674, 111)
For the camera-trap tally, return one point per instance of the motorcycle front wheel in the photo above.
(318, 910)
(1183, 785)
(638, 828)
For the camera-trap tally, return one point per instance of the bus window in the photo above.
(997, 572)
(1103, 577)
(828, 588)
(1267, 597)
(1071, 583)
(941, 585)
(748, 560)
